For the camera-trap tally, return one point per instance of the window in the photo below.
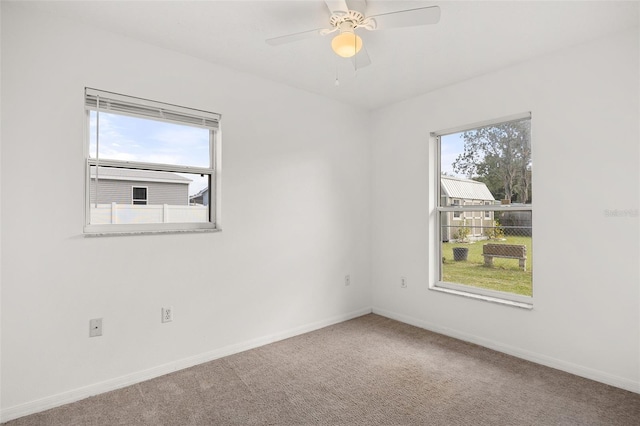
(145, 161)
(456, 215)
(483, 224)
(139, 195)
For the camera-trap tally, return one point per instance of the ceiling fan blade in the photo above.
(289, 38)
(357, 5)
(337, 6)
(361, 59)
(407, 18)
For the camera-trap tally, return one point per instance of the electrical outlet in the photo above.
(167, 314)
(403, 282)
(95, 327)
(347, 280)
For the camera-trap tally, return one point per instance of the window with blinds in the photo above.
(150, 166)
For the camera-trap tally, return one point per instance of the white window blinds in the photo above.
(121, 104)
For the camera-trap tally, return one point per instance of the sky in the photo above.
(150, 141)
(450, 147)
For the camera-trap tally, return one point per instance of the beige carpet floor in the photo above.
(367, 371)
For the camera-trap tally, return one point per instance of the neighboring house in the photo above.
(465, 192)
(127, 196)
(201, 198)
(139, 187)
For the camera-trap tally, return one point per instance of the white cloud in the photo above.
(133, 139)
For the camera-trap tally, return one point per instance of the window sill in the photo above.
(89, 234)
(491, 299)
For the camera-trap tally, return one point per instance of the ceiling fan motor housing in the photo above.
(352, 19)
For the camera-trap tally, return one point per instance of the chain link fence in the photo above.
(490, 249)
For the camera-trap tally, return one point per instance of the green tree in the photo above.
(499, 156)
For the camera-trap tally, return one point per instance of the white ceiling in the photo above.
(472, 38)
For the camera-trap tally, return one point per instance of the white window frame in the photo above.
(114, 103)
(146, 193)
(435, 262)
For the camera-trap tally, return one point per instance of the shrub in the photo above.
(494, 232)
(462, 233)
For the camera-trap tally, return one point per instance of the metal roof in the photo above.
(468, 189)
(112, 173)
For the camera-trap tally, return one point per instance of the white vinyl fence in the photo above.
(156, 213)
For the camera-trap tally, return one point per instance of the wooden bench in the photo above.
(507, 251)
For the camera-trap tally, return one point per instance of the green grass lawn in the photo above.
(504, 275)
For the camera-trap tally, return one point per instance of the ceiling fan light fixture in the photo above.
(346, 44)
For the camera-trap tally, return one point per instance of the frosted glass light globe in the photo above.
(346, 44)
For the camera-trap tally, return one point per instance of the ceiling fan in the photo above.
(349, 15)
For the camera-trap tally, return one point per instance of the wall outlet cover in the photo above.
(167, 314)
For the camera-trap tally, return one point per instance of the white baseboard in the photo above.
(131, 379)
(578, 370)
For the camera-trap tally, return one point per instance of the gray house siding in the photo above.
(120, 192)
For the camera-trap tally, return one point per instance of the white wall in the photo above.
(0, 216)
(585, 136)
(295, 219)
